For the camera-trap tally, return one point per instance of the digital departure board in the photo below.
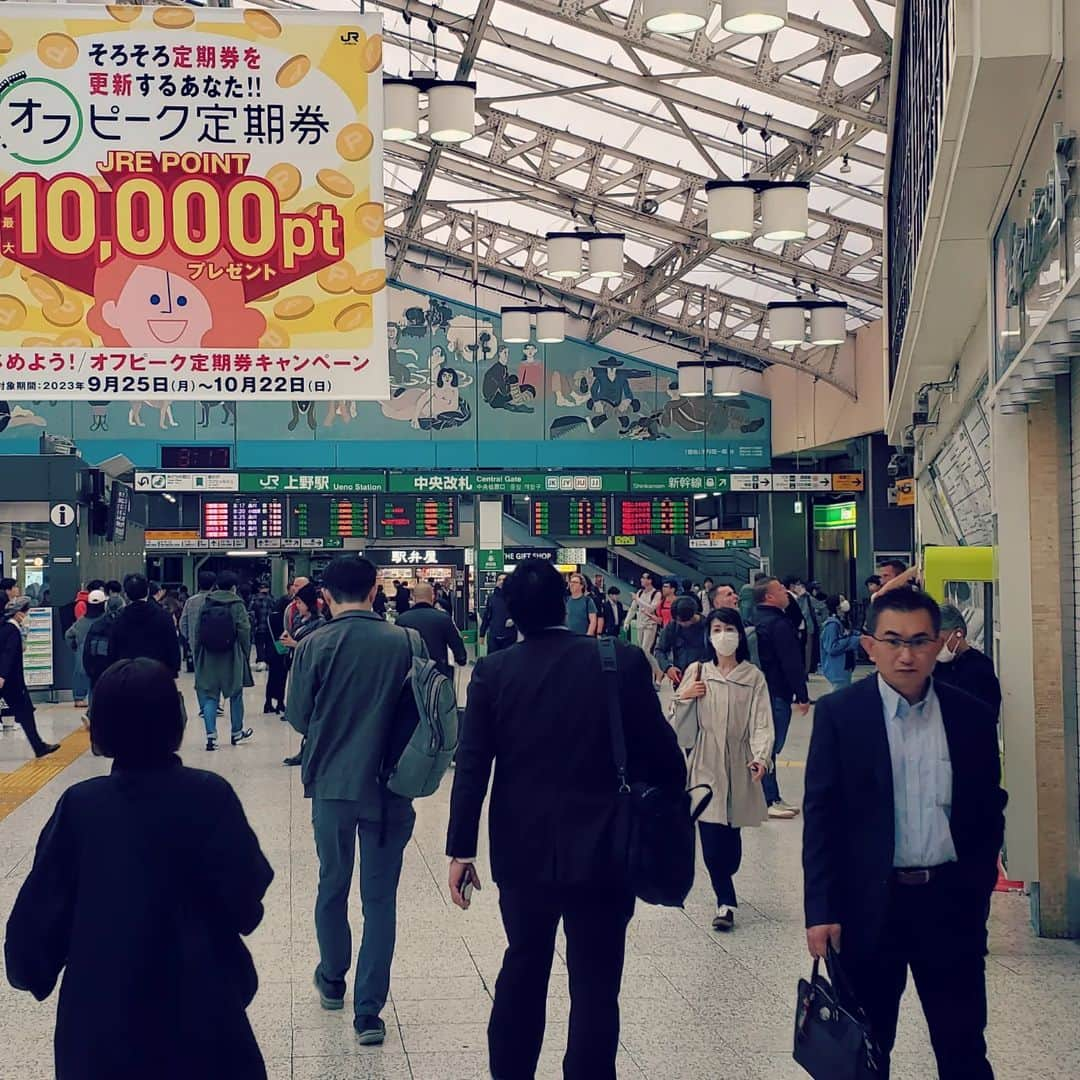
(425, 517)
(570, 515)
(243, 518)
(654, 515)
(331, 518)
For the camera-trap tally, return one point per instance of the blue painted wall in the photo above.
(461, 399)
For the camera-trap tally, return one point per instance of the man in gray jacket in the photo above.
(347, 678)
(189, 617)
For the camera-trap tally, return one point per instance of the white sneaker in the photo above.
(779, 810)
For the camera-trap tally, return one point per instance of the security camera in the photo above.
(920, 417)
(897, 465)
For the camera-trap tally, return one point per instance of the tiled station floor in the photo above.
(694, 1004)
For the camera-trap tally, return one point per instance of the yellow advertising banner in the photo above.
(732, 534)
(191, 204)
(848, 482)
(905, 492)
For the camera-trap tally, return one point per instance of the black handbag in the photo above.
(654, 829)
(833, 1040)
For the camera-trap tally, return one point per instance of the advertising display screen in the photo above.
(570, 515)
(416, 516)
(243, 518)
(193, 198)
(656, 515)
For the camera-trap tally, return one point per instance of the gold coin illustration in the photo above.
(369, 219)
(57, 50)
(124, 13)
(67, 313)
(286, 179)
(370, 281)
(354, 141)
(173, 18)
(6, 43)
(263, 23)
(353, 317)
(294, 307)
(372, 53)
(335, 183)
(12, 312)
(274, 338)
(43, 290)
(336, 279)
(292, 71)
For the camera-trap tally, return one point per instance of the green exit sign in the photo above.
(835, 516)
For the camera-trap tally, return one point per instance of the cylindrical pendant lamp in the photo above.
(787, 324)
(1042, 361)
(675, 16)
(401, 110)
(1064, 347)
(1009, 408)
(753, 16)
(564, 255)
(515, 325)
(785, 210)
(1034, 381)
(451, 111)
(731, 210)
(606, 256)
(692, 380)
(1072, 314)
(827, 324)
(551, 326)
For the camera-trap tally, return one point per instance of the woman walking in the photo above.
(839, 647)
(723, 707)
(643, 609)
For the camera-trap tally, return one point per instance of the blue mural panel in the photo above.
(461, 398)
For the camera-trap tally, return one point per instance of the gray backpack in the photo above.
(424, 733)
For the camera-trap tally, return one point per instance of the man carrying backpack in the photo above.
(222, 647)
(345, 692)
(143, 628)
(97, 643)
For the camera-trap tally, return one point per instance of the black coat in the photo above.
(496, 616)
(973, 672)
(439, 634)
(145, 629)
(539, 711)
(849, 830)
(143, 882)
(11, 663)
(781, 654)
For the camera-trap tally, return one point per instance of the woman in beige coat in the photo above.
(723, 705)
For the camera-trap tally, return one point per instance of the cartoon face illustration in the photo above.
(156, 307)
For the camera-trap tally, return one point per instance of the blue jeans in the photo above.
(208, 708)
(80, 684)
(781, 718)
(841, 682)
(337, 826)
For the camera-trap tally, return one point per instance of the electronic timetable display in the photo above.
(570, 515)
(243, 518)
(654, 515)
(334, 518)
(427, 517)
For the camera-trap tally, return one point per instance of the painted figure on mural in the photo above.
(503, 390)
(434, 403)
(13, 416)
(399, 372)
(164, 408)
(471, 339)
(715, 415)
(345, 411)
(99, 415)
(531, 369)
(571, 390)
(305, 409)
(228, 412)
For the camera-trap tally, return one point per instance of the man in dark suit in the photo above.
(904, 822)
(539, 711)
(436, 628)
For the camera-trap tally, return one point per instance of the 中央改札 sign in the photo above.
(193, 200)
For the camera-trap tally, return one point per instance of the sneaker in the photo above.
(242, 736)
(211, 744)
(221, 710)
(725, 918)
(789, 806)
(331, 995)
(370, 1030)
(779, 810)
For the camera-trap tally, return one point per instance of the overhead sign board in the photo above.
(327, 483)
(835, 516)
(506, 483)
(220, 176)
(680, 481)
(150, 482)
(848, 482)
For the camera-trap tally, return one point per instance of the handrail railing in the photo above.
(925, 42)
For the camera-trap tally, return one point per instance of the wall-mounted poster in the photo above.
(192, 198)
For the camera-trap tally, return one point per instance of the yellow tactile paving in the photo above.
(16, 787)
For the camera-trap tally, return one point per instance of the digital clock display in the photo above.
(186, 458)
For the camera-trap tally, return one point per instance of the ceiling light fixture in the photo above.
(606, 255)
(753, 16)
(676, 16)
(565, 254)
(692, 379)
(401, 110)
(452, 111)
(828, 323)
(787, 323)
(785, 212)
(550, 324)
(731, 209)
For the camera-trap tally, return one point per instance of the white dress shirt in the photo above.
(922, 779)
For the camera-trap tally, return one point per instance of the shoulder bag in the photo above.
(833, 1040)
(654, 830)
(683, 715)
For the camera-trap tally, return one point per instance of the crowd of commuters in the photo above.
(899, 859)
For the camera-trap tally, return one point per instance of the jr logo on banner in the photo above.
(191, 204)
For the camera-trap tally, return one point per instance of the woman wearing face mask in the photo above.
(839, 647)
(727, 699)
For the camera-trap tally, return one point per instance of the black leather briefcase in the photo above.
(832, 1035)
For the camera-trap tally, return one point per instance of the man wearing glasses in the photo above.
(904, 822)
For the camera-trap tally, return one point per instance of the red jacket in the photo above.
(81, 598)
(663, 610)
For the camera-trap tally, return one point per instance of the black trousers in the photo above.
(721, 848)
(937, 930)
(595, 922)
(23, 711)
(277, 672)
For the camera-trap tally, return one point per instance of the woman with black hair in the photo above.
(142, 884)
(722, 711)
